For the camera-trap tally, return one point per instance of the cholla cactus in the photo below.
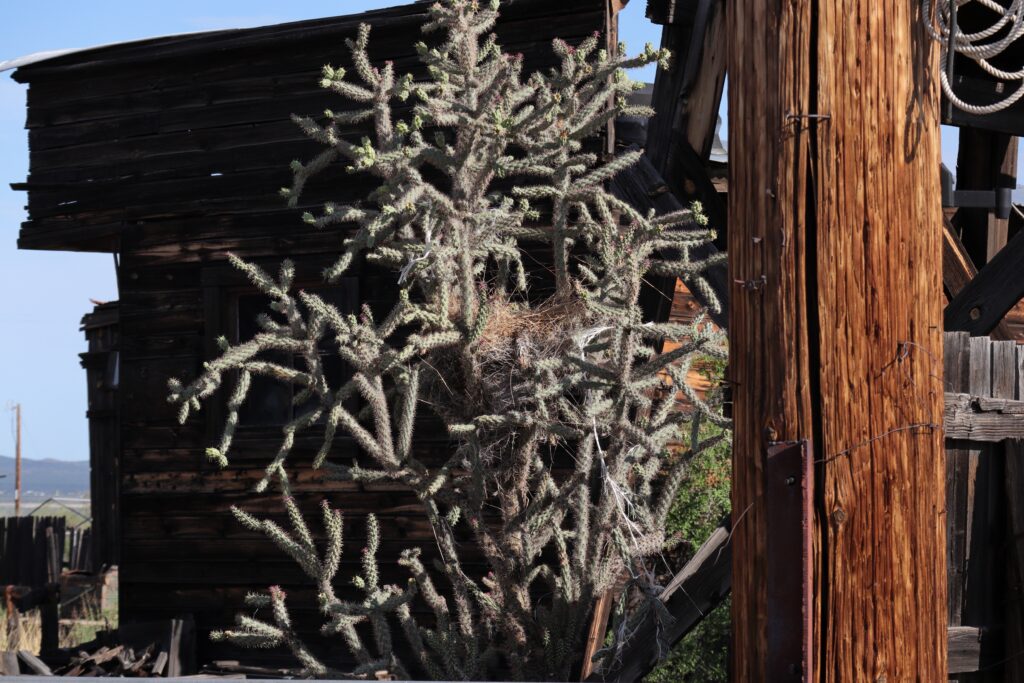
(487, 161)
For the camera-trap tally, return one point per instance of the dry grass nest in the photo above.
(514, 338)
(548, 327)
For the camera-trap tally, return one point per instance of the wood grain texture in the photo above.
(984, 570)
(836, 322)
(705, 97)
(983, 420)
(957, 267)
(880, 282)
(769, 355)
(964, 649)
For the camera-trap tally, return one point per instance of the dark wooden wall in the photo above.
(985, 504)
(102, 374)
(171, 153)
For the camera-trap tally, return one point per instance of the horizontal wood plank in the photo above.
(983, 419)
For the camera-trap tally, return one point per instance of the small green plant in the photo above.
(701, 506)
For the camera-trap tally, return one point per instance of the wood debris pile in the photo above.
(105, 660)
(119, 660)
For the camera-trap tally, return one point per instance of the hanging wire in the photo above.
(979, 46)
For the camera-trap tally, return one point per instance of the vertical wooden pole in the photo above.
(985, 160)
(17, 461)
(836, 323)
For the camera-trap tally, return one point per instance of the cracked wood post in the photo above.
(836, 326)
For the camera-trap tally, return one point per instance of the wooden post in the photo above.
(17, 462)
(13, 625)
(835, 328)
(985, 160)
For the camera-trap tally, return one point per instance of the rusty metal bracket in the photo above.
(788, 495)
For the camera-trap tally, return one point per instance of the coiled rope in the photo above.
(980, 46)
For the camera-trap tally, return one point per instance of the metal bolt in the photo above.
(790, 480)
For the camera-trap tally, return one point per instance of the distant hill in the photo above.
(44, 478)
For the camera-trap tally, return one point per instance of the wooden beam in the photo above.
(965, 645)
(686, 98)
(35, 665)
(704, 98)
(696, 590)
(985, 160)
(981, 305)
(957, 267)
(836, 303)
(596, 634)
(666, 12)
(987, 420)
(958, 270)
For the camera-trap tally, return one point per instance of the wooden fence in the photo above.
(984, 424)
(31, 550)
(35, 550)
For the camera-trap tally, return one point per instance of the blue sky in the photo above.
(48, 292)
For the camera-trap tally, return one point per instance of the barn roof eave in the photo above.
(178, 45)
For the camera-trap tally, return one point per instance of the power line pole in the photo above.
(839, 567)
(17, 461)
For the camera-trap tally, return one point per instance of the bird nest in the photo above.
(499, 374)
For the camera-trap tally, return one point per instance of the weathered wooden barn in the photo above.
(169, 153)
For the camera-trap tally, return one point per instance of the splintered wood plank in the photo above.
(957, 267)
(983, 420)
(836, 323)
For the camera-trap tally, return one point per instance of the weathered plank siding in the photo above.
(170, 152)
(102, 372)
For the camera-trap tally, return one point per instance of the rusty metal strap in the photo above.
(789, 491)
